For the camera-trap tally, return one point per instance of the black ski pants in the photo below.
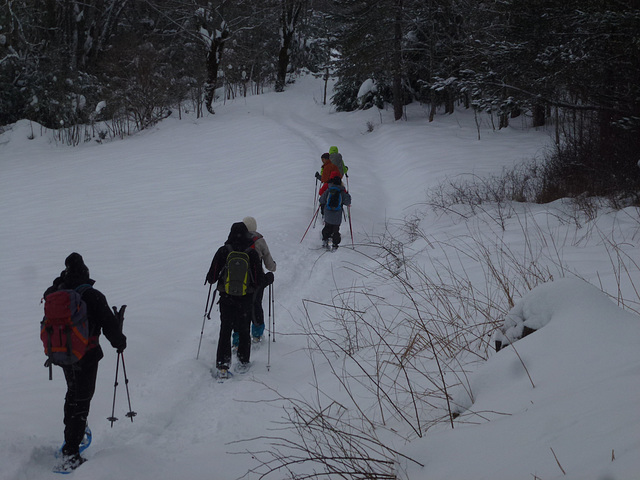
(235, 315)
(333, 232)
(81, 385)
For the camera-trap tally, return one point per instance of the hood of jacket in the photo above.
(239, 238)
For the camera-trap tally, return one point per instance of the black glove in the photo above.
(122, 344)
(318, 176)
(322, 209)
(268, 278)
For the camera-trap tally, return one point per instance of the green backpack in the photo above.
(236, 274)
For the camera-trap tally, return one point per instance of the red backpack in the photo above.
(64, 330)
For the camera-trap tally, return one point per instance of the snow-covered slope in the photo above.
(147, 213)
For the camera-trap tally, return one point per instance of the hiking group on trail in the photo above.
(333, 196)
(75, 313)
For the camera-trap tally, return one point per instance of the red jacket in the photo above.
(325, 186)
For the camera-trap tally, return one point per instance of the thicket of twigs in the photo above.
(401, 340)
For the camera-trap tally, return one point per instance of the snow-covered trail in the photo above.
(147, 213)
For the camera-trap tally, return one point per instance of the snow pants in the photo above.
(333, 232)
(81, 385)
(235, 315)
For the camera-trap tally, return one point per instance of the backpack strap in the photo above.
(252, 279)
(93, 339)
(223, 268)
(83, 288)
(254, 239)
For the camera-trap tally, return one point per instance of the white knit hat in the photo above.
(251, 223)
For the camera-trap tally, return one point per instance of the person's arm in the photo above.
(346, 198)
(261, 279)
(265, 254)
(216, 266)
(111, 326)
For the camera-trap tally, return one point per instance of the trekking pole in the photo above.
(315, 194)
(120, 317)
(212, 304)
(207, 314)
(315, 200)
(312, 218)
(273, 308)
(130, 413)
(350, 228)
(349, 209)
(113, 418)
(269, 340)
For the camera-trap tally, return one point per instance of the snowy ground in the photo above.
(147, 213)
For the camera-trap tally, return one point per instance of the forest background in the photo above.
(98, 69)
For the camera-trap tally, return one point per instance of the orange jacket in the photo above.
(327, 169)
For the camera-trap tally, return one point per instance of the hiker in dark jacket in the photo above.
(81, 376)
(333, 218)
(236, 312)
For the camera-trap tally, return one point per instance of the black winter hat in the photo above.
(75, 263)
(77, 272)
(336, 180)
(239, 236)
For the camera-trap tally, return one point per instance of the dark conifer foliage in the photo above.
(572, 65)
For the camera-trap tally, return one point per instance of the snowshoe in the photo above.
(242, 367)
(84, 444)
(68, 463)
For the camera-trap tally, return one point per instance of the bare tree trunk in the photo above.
(398, 100)
(214, 58)
(110, 21)
(449, 101)
(290, 12)
(326, 82)
(283, 62)
(73, 35)
(538, 115)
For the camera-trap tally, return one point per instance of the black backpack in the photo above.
(235, 278)
(334, 198)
